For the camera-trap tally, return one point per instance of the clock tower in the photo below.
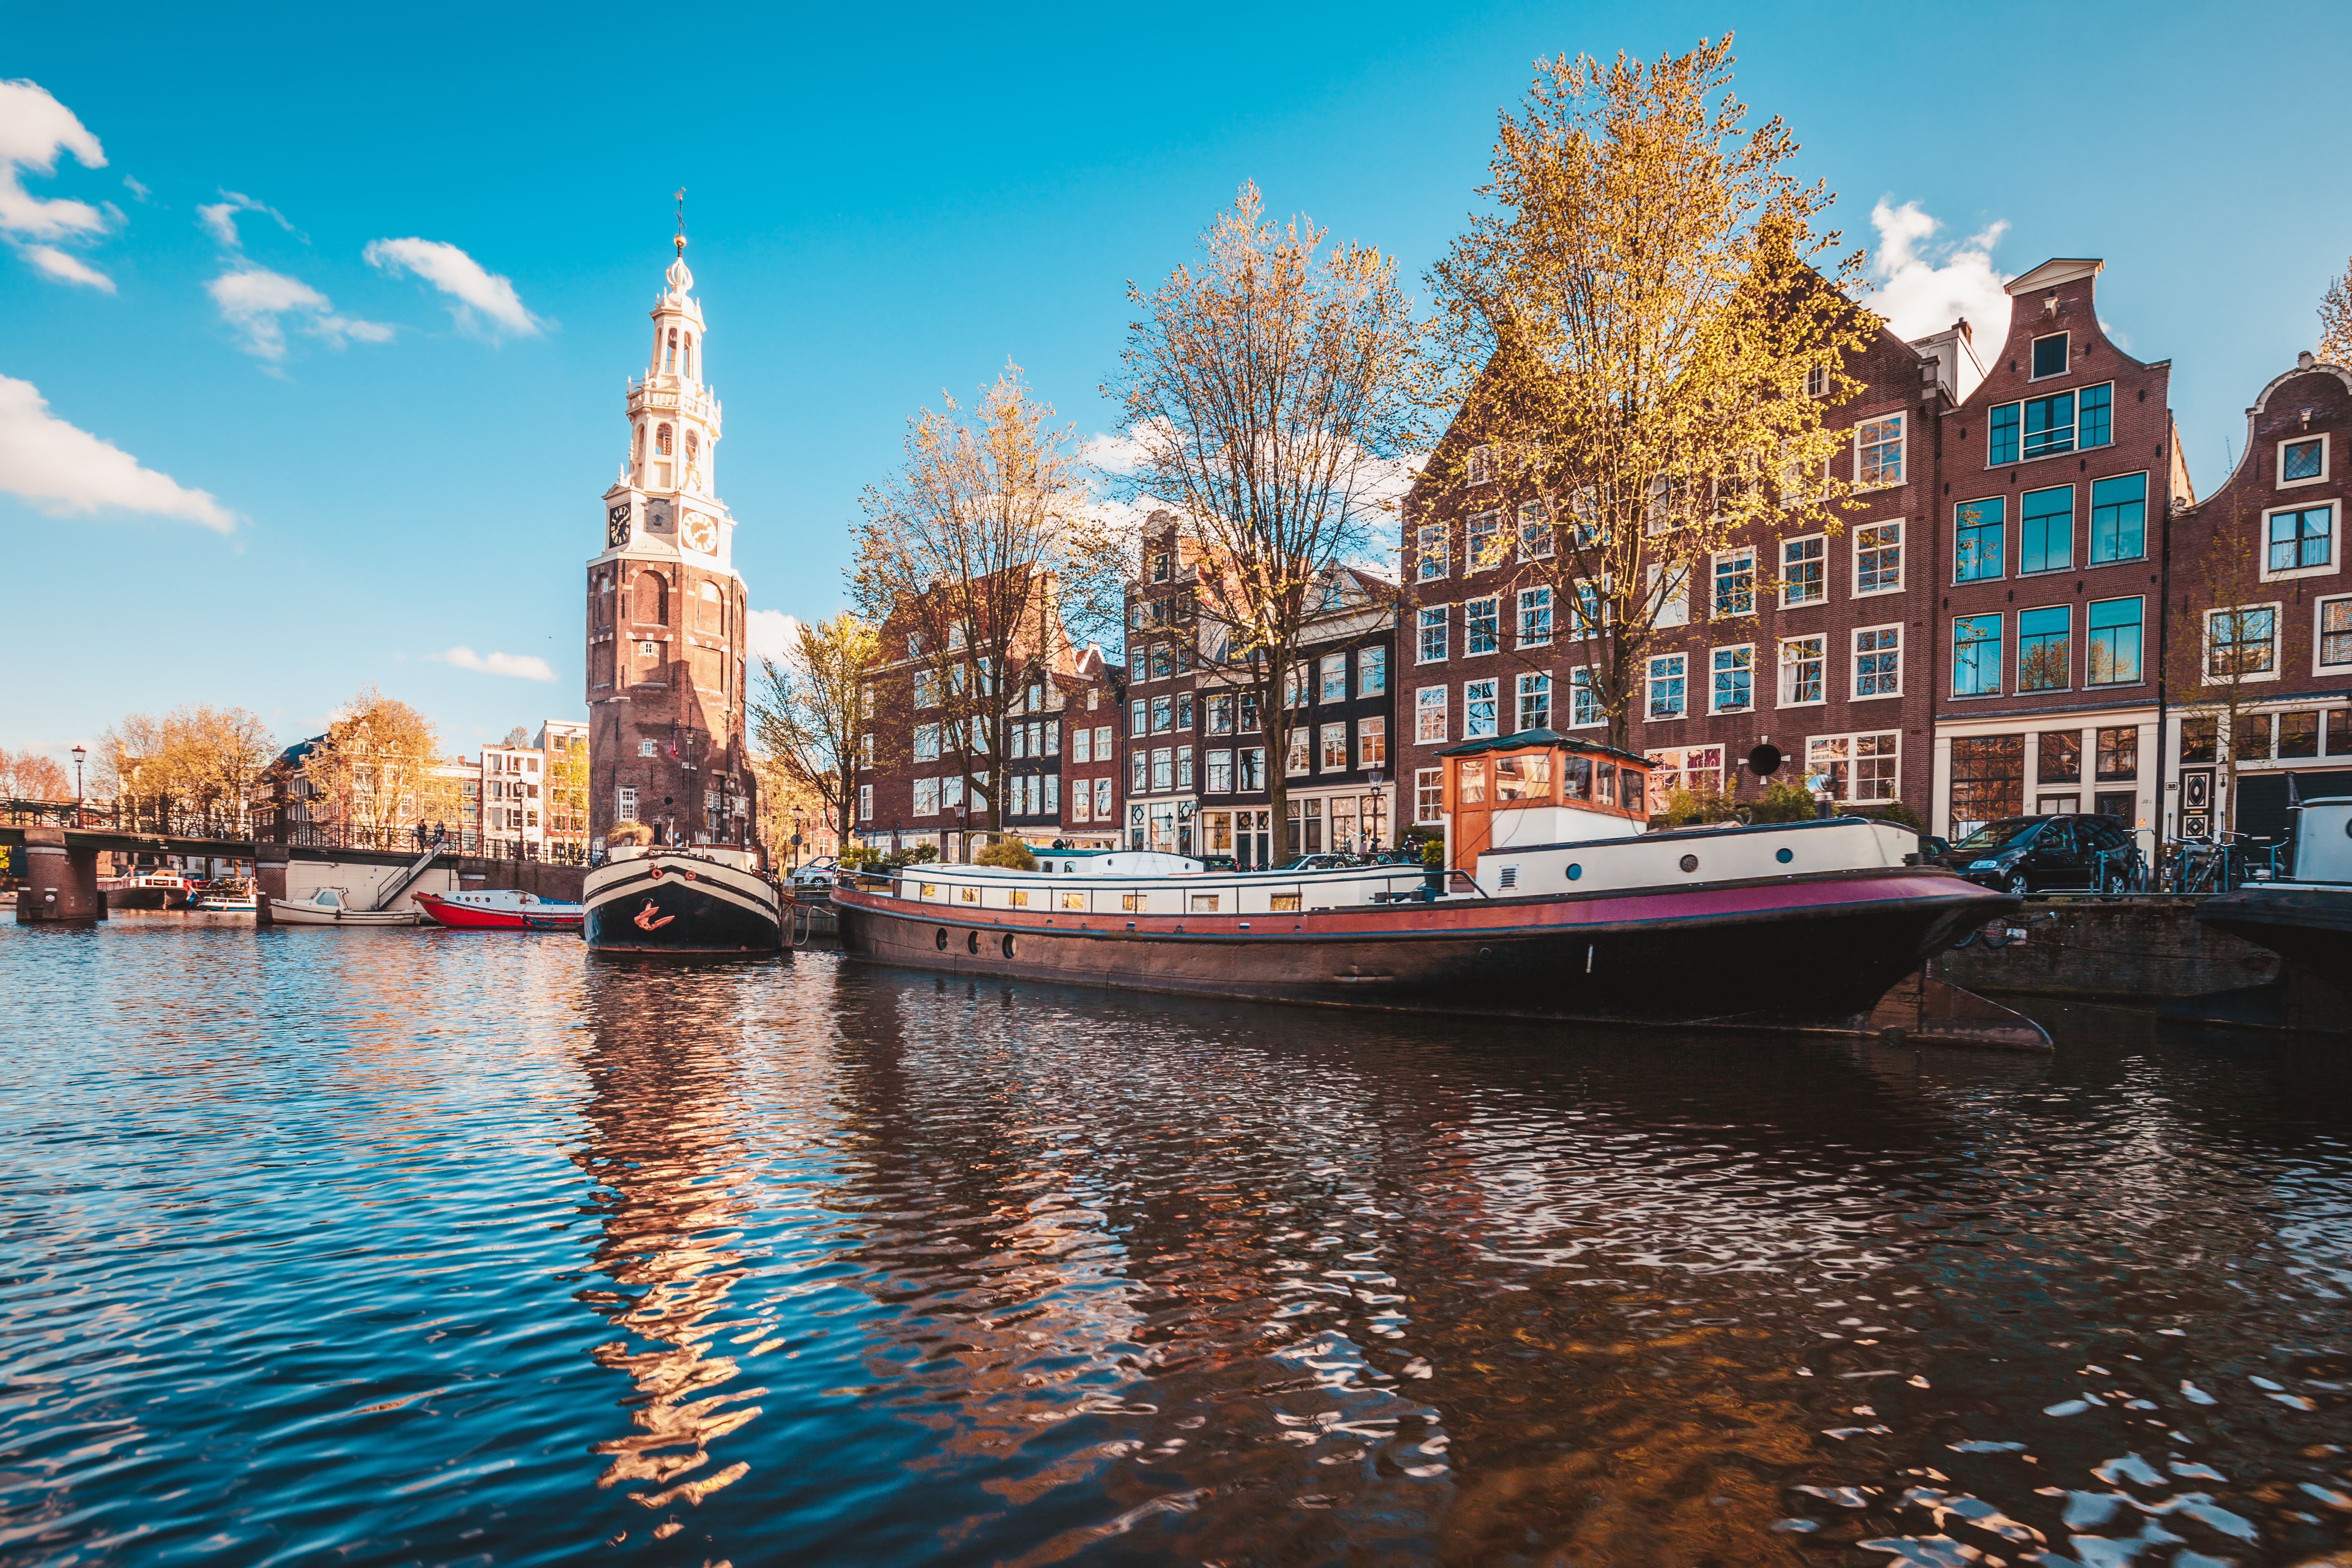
(665, 610)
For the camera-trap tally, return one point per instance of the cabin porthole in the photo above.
(1690, 862)
(941, 938)
(971, 941)
(1574, 872)
(1784, 856)
(1008, 944)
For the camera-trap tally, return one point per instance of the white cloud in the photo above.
(34, 128)
(135, 188)
(257, 302)
(1922, 286)
(67, 269)
(771, 634)
(65, 470)
(219, 219)
(481, 293)
(517, 664)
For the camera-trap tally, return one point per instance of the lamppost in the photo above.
(79, 753)
(1373, 777)
(798, 822)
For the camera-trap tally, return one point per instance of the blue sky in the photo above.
(881, 204)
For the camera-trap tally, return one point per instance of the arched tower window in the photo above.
(604, 598)
(706, 619)
(661, 438)
(689, 356)
(670, 358)
(653, 599)
(693, 448)
(639, 455)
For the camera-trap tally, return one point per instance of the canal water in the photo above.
(392, 1247)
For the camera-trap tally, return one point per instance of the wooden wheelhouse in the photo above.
(1511, 792)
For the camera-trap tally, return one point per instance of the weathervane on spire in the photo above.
(681, 220)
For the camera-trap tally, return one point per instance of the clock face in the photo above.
(698, 532)
(616, 525)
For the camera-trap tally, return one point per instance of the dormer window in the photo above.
(2302, 462)
(2050, 356)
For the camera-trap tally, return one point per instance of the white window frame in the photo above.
(2335, 543)
(1894, 790)
(1480, 468)
(1649, 680)
(1854, 656)
(1444, 614)
(1423, 709)
(2038, 339)
(1367, 732)
(1714, 564)
(1326, 667)
(1746, 647)
(1818, 643)
(865, 803)
(1372, 671)
(1423, 556)
(1220, 767)
(1902, 438)
(1902, 559)
(1428, 795)
(2205, 642)
(1580, 688)
(1820, 595)
(1299, 760)
(2327, 463)
(1494, 699)
(1675, 611)
(1549, 609)
(1488, 522)
(2319, 634)
(1331, 742)
(1106, 809)
(1522, 691)
(1493, 604)
(1550, 531)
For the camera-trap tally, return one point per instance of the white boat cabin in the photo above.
(1539, 787)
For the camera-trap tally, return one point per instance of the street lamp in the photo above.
(79, 753)
(799, 820)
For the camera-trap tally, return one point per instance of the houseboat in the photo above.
(648, 897)
(2306, 918)
(1555, 901)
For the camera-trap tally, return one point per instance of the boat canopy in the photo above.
(1538, 786)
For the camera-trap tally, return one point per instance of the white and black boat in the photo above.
(648, 897)
(2306, 918)
(1556, 901)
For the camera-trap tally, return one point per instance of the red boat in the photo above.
(501, 910)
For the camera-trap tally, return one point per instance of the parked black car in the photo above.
(2043, 854)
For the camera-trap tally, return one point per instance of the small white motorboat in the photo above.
(333, 906)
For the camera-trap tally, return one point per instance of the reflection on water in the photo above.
(382, 1247)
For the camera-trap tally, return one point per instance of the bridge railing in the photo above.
(399, 838)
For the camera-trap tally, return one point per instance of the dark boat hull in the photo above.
(1793, 952)
(2310, 927)
(675, 903)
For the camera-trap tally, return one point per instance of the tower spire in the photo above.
(681, 220)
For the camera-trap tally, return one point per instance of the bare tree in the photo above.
(1269, 386)
(28, 775)
(810, 711)
(1641, 339)
(988, 547)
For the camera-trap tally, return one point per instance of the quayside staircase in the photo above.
(399, 885)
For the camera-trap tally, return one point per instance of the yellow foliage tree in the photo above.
(1642, 333)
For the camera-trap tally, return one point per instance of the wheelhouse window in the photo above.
(1878, 661)
(1734, 686)
(1977, 539)
(1803, 578)
(2046, 530)
(2045, 648)
(2118, 519)
(1976, 656)
(2114, 657)
(1665, 680)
